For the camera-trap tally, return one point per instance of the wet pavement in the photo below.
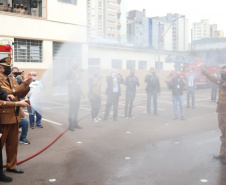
(144, 150)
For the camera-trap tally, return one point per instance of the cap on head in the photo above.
(5, 62)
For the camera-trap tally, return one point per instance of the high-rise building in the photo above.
(179, 24)
(148, 32)
(138, 29)
(106, 19)
(203, 29)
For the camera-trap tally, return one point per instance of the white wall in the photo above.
(24, 27)
(67, 13)
(106, 54)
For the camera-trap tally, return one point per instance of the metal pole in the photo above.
(158, 49)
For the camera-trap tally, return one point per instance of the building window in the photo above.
(142, 65)
(130, 64)
(116, 64)
(27, 50)
(159, 66)
(100, 4)
(68, 1)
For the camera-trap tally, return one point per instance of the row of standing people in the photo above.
(177, 84)
(113, 92)
(20, 9)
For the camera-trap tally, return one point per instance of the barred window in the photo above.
(27, 50)
(116, 64)
(69, 1)
(142, 64)
(131, 64)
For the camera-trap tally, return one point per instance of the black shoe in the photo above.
(32, 126)
(5, 178)
(223, 161)
(71, 129)
(40, 126)
(24, 141)
(219, 157)
(77, 127)
(16, 170)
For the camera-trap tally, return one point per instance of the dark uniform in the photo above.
(95, 95)
(74, 97)
(221, 108)
(9, 119)
(131, 82)
(113, 92)
(4, 105)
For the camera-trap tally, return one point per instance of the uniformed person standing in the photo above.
(7, 105)
(221, 107)
(9, 8)
(17, 10)
(2, 7)
(10, 118)
(74, 96)
(26, 12)
(21, 11)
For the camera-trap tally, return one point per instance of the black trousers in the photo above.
(129, 103)
(112, 100)
(73, 111)
(95, 101)
(191, 93)
(1, 160)
(213, 94)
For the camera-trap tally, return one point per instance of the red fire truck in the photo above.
(6, 50)
(185, 64)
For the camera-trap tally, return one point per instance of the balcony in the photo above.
(119, 14)
(119, 26)
(23, 8)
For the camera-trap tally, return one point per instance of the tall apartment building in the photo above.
(106, 19)
(179, 25)
(148, 32)
(138, 29)
(203, 29)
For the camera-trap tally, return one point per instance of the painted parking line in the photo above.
(146, 107)
(55, 123)
(46, 108)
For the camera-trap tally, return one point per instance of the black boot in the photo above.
(5, 178)
(77, 126)
(71, 127)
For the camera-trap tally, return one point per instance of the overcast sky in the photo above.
(194, 10)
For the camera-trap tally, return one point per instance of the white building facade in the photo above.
(180, 31)
(202, 30)
(34, 37)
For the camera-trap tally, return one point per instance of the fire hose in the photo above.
(51, 143)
